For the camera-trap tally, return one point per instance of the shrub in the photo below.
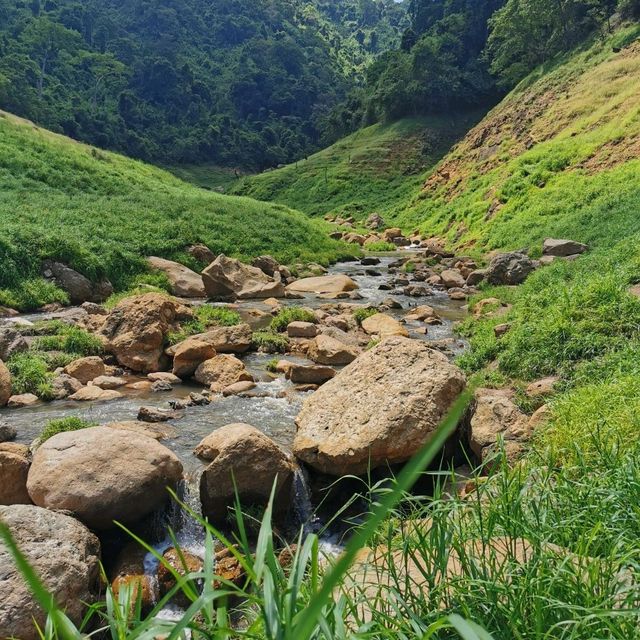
(381, 247)
(205, 316)
(30, 374)
(71, 340)
(61, 425)
(272, 365)
(362, 313)
(270, 342)
(286, 316)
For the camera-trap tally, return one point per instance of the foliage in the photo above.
(234, 83)
(30, 374)
(62, 425)
(381, 247)
(270, 342)
(362, 313)
(206, 316)
(71, 340)
(102, 214)
(287, 315)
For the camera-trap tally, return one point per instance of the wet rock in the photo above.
(380, 409)
(238, 388)
(384, 326)
(189, 355)
(64, 554)
(370, 261)
(14, 469)
(309, 374)
(5, 384)
(109, 382)
(143, 428)
(164, 376)
(391, 303)
(183, 563)
(129, 573)
(7, 432)
(244, 457)
(562, 248)
(331, 286)
(86, 369)
(101, 475)
(137, 328)
(78, 288)
(64, 385)
(185, 283)
(424, 313)
(457, 294)
(509, 268)
(230, 278)
(302, 330)
(324, 349)
(22, 400)
(141, 385)
(417, 291)
(95, 394)
(222, 371)
(156, 414)
(496, 416)
(11, 342)
(161, 386)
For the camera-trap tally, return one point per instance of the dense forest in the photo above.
(173, 81)
(462, 54)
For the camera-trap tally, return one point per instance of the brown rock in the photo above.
(64, 385)
(136, 330)
(384, 326)
(64, 554)
(5, 384)
(324, 285)
(301, 374)
(189, 355)
(201, 253)
(452, 278)
(380, 409)
(22, 400)
(562, 248)
(101, 475)
(542, 388)
(182, 562)
(238, 388)
(129, 573)
(302, 330)
(222, 371)
(245, 458)
(184, 282)
(327, 350)
(86, 369)
(230, 278)
(95, 394)
(14, 468)
(164, 376)
(109, 382)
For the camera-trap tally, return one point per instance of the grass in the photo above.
(30, 373)
(102, 214)
(362, 313)
(206, 176)
(270, 342)
(381, 247)
(374, 170)
(62, 425)
(206, 316)
(286, 316)
(71, 340)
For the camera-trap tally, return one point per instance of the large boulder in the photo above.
(5, 384)
(189, 354)
(236, 339)
(509, 268)
(14, 467)
(496, 416)
(86, 369)
(79, 288)
(184, 282)
(384, 326)
(324, 285)
(241, 454)
(11, 342)
(63, 553)
(380, 409)
(136, 330)
(562, 248)
(222, 371)
(324, 349)
(101, 475)
(230, 278)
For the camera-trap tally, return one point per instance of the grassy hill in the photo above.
(373, 170)
(102, 214)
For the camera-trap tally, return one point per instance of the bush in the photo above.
(30, 374)
(270, 342)
(286, 316)
(362, 313)
(62, 425)
(206, 316)
(71, 340)
(381, 247)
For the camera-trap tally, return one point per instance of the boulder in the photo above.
(383, 326)
(324, 285)
(136, 330)
(452, 278)
(143, 428)
(236, 339)
(562, 248)
(201, 253)
(300, 329)
(495, 416)
(543, 387)
(63, 553)
(156, 414)
(268, 264)
(476, 277)
(101, 475)
(241, 454)
(14, 469)
(389, 235)
(5, 384)
(309, 374)
(230, 278)
(109, 382)
(509, 268)
(189, 355)
(11, 342)
(22, 400)
(79, 288)
(221, 371)
(7, 432)
(423, 313)
(185, 283)
(164, 376)
(64, 385)
(375, 222)
(378, 410)
(95, 394)
(86, 369)
(324, 349)
(238, 388)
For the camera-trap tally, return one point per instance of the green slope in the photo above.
(375, 169)
(102, 214)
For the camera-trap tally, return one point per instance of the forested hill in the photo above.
(230, 82)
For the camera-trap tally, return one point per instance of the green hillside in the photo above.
(102, 214)
(375, 169)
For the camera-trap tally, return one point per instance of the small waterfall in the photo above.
(188, 531)
(302, 504)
